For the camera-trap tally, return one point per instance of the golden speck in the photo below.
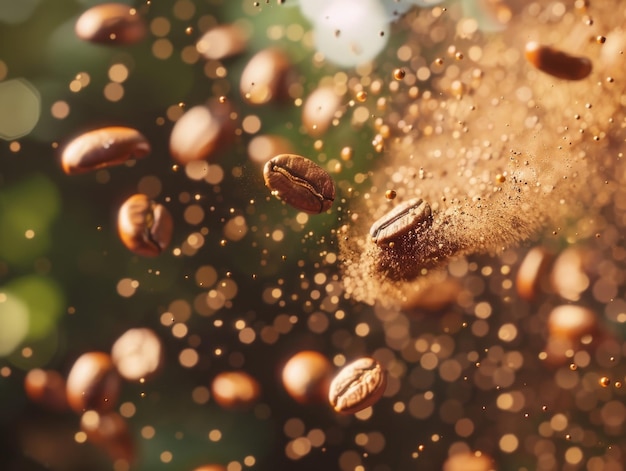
(600, 39)
(605, 381)
(399, 74)
(361, 96)
(390, 194)
(188, 30)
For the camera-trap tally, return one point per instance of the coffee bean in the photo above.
(319, 110)
(299, 182)
(557, 63)
(306, 377)
(405, 219)
(109, 431)
(137, 354)
(210, 467)
(222, 41)
(144, 226)
(112, 23)
(93, 383)
(235, 389)
(357, 386)
(532, 273)
(265, 77)
(103, 147)
(201, 131)
(47, 388)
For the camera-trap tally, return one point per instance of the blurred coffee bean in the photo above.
(265, 77)
(306, 377)
(222, 41)
(532, 272)
(210, 467)
(111, 23)
(299, 182)
(103, 147)
(319, 110)
(47, 388)
(469, 462)
(434, 296)
(144, 226)
(572, 322)
(572, 272)
(201, 131)
(109, 431)
(264, 147)
(409, 217)
(93, 383)
(557, 63)
(357, 386)
(137, 354)
(235, 389)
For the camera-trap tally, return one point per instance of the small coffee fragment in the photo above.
(144, 226)
(409, 217)
(111, 23)
(557, 63)
(357, 386)
(300, 182)
(103, 147)
(93, 383)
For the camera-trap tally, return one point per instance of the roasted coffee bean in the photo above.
(357, 386)
(201, 131)
(409, 217)
(47, 388)
(235, 389)
(109, 431)
(137, 354)
(299, 182)
(222, 41)
(93, 383)
(103, 147)
(306, 377)
(265, 77)
(557, 63)
(144, 226)
(113, 23)
(532, 273)
(319, 110)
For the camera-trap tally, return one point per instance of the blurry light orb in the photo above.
(14, 323)
(20, 108)
(351, 32)
(17, 12)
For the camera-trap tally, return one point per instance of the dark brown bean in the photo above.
(112, 23)
(93, 383)
(409, 217)
(557, 63)
(357, 386)
(299, 182)
(144, 226)
(103, 147)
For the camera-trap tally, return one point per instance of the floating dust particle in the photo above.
(449, 148)
(399, 74)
